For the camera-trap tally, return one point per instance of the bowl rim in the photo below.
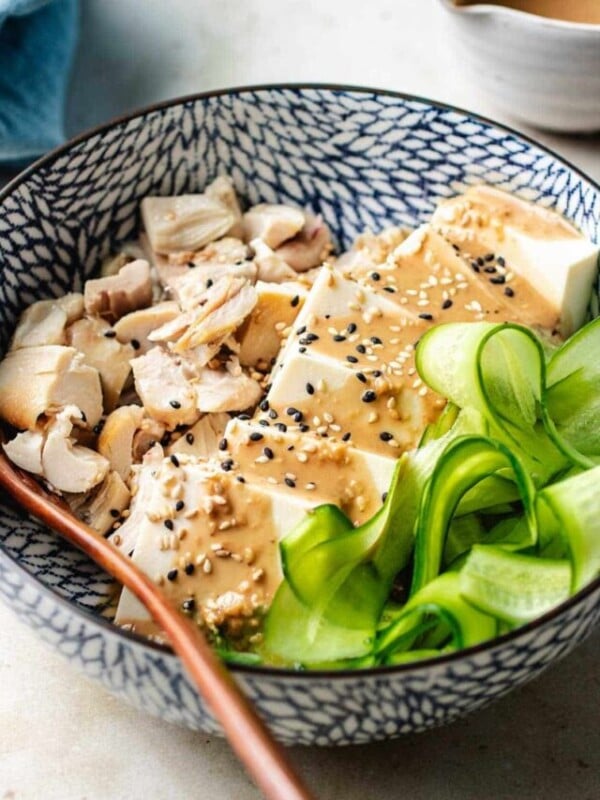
(529, 17)
(259, 671)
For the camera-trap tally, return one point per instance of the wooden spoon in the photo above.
(264, 759)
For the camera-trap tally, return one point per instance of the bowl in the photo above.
(363, 159)
(543, 71)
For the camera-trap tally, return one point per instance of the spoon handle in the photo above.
(264, 759)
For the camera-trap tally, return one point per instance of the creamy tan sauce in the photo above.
(568, 10)
(224, 559)
(317, 471)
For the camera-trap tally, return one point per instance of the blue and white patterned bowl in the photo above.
(361, 158)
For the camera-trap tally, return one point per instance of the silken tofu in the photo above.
(210, 541)
(537, 244)
(310, 465)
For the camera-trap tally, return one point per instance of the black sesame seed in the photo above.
(456, 247)
(268, 452)
(290, 447)
(447, 304)
(281, 426)
(298, 416)
(302, 349)
(189, 569)
(346, 436)
(426, 316)
(474, 266)
(97, 429)
(498, 279)
(209, 283)
(489, 257)
(339, 338)
(304, 428)
(289, 482)
(490, 270)
(273, 414)
(244, 417)
(295, 300)
(376, 373)
(189, 437)
(241, 479)
(110, 334)
(312, 337)
(351, 327)
(304, 340)
(172, 575)
(352, 359)
(189, 604)
(360, 348)
(481, 262)
(174, 461)
(290, 411)
(310, 389)
(301, 330)
(179, 505)
(264, 422)
(135, 344)
(264, 405)
(385, 436)
(114, 512)
(509, 291)
(168, 523)
(361, 377)
(384, 497)
(191, 264)
(175, 403)
(223, 444)
(501, 261)
(369, 396)
(255, 436)
(375, 276)
(227, 465)
(389, 289)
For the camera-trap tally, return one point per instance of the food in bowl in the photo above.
(228, 383)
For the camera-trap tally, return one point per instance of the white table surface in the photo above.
(63, 737)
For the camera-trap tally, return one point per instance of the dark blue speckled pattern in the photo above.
(363, 160)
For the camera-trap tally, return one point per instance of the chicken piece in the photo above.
(271, 268)
(25, 450)
(67, 466)
(273, 224)
(185, 223)
(221, 189)
(309, 248)
(144, 496)
(116, 438)
(134, 328)
(221, 321)
(189, 289)
(230, 390)
(117, 295)
(147, 435)
(102, 508)
(43, 380)
(101, 350)
(163, 383)
(44, 322)
(261, 334)
(129, 252)
(203, 438)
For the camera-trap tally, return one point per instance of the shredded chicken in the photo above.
(44, 322)
(163, 383)
(309, 248)
(113, 297)
(273, 224)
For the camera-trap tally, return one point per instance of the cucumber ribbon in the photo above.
(497, 511)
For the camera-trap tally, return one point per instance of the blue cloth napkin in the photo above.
(37, 42)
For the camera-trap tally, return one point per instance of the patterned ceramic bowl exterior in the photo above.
(362, 159)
